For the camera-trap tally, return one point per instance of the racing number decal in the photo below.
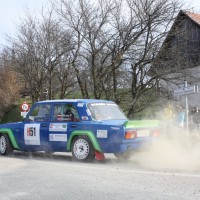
(31, 131)
(32, 134)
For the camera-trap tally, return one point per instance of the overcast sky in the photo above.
(11, 10)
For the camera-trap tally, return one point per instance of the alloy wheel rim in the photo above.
(2, 144)
(81, 149)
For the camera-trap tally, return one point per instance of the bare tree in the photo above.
(151, 22)
(117, 41)
(91, 28)
(104, 48)
(37, 52)
(9, 90)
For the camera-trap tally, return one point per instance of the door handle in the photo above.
(44, 125)
(73, 125)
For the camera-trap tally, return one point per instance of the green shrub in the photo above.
(12, 115)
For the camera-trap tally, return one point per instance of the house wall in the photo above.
(184, 47)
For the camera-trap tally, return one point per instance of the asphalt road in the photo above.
(147, 176)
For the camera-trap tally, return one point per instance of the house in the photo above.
(179, 57)
(182, 44)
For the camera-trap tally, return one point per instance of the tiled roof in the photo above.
(194, 16)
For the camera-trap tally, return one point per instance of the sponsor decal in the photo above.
(102, 133)
(103, 104)
(58, 137)
(57, 127)
(64, 117)
(84, 118)
(80, 104)
(32, 134)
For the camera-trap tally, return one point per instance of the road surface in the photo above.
(146, 176)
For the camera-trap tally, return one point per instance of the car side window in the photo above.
(40, 113)
(65, 112)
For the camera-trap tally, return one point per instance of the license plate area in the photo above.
(143, 133)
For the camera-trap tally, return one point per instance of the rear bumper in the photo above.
(138, 144)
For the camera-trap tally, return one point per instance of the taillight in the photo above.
(155, 133)
(130, 134)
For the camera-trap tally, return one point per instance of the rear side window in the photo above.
(65, 112)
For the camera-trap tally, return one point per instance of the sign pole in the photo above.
(186, 108)
(186, 91)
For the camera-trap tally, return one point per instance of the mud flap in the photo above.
(99, 156)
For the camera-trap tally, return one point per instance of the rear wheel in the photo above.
(82, 149)
(124, 156)
(5, 145)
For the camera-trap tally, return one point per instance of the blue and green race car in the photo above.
(87, 128)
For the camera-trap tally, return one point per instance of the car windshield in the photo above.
(105, 111)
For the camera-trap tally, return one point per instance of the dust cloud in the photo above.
(176, 148)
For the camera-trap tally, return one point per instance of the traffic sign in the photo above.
(185, 90)
(23, 114)
(25, 107)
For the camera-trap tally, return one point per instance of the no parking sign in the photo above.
(25, 108)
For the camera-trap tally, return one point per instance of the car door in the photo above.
(36, 127)
(64, 116)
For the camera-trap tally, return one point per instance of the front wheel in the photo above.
(124, 156)
(5, 146)
(82, 149)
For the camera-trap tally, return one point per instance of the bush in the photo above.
(12, 115)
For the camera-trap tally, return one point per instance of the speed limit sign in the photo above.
(25, 107)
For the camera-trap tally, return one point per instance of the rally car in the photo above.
(87, 128)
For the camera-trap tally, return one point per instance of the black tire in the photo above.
(82, 149)
(5, 145)
(124, 156)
